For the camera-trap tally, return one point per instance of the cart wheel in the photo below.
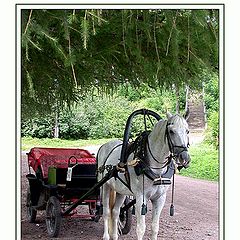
(31, 212)
(53, 216)
(125, 219)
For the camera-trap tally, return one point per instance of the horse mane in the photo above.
(159, 129)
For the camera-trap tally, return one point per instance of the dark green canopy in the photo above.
(67, 53)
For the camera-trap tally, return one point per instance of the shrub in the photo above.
(212, 133)
(40, 127)
(101, 116)
(212, 105)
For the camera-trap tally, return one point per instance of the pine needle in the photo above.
(48, 36)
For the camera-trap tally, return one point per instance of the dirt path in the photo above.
(196, 215)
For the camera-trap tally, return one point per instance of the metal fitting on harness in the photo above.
(162, 181)
(133, 163)
(121, 167)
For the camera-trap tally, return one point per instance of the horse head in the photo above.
(178, 140)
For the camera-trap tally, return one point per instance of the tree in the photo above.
(86, 49)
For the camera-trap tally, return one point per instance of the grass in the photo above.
(204, 157)
(29, 142)
(204, 163)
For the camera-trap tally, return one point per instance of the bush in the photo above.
(40, 127)
(107, 116)
(101, 116)
(73, 124)
(212, 133)
(212, 93)
(212, 105)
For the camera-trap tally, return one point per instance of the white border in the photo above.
(18, 113)
(127, 6)
(221, 123)
(118, 6)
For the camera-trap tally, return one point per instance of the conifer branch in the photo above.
(96, 16)
(170, 35)
(155, 43)
(136, 26)
(48, 36)
(28, 22)
(123, 35)
(199, 59)
(34, 44)
(70, 54)
(188, 55)
(84, 26)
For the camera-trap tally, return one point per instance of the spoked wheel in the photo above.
(53, 216)
(125, 218)
(31, 212)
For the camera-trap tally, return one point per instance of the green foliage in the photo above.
(40, 127)
(212, 105)
(204, 163)
(95, 117)
(212, 133)
(73, 124)
(106, 115)
(84, 49)
(101, 116)
(211, 98)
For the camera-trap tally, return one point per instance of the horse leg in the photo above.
(106, 210)
(157, 206)
(115, 215)
(141, 226)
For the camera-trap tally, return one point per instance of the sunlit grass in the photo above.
(28, 142)
(204, 162)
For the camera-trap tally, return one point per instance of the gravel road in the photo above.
(196, 214)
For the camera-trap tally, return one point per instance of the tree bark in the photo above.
(177, 99)
(56, 125)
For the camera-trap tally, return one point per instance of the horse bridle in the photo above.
(172, 147)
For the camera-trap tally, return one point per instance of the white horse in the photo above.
(168, 137)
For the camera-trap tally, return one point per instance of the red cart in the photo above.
(64, 178)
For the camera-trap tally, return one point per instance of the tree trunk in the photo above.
(56, 126)
(177, 99)
(186, 98)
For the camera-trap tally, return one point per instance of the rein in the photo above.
(139, 148)
(146, 169)
(155, 159)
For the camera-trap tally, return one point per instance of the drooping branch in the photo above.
(28, 22)
(170, 35)
(188, 53)
(155, 43)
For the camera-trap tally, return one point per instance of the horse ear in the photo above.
(168, 115)
(186, 114)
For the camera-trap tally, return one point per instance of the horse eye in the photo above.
(187, 131)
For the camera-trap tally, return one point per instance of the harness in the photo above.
(139, 149)
(140, 162)
(172, 147)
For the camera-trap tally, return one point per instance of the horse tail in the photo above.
(112, 199)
